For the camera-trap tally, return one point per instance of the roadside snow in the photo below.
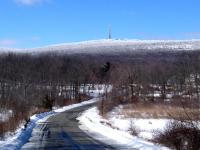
(76, 105)
(99, 128)
(21, 136)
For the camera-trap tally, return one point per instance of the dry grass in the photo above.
(155, 110)
(12, 123)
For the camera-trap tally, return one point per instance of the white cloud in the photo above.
(8, 42)
(30, 2)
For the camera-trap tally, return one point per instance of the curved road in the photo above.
(62, 132)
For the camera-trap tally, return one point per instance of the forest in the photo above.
(33, 83)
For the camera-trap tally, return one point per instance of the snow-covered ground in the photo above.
(146, 127)
(116, 130)
(22, 135)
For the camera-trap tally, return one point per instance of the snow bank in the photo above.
(22, 135)
(93, 124)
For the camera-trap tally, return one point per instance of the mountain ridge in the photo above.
(112, 45)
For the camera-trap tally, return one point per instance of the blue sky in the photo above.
(34, 23)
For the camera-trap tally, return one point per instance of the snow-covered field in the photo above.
(116, 130)
(146, 127)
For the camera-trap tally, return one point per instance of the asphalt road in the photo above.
(62, 132)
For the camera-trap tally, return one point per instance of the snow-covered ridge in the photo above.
(113, 45)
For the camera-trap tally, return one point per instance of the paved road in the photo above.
(62, 132)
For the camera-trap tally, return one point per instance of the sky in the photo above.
(36, 23)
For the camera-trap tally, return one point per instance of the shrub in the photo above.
(180, 136)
